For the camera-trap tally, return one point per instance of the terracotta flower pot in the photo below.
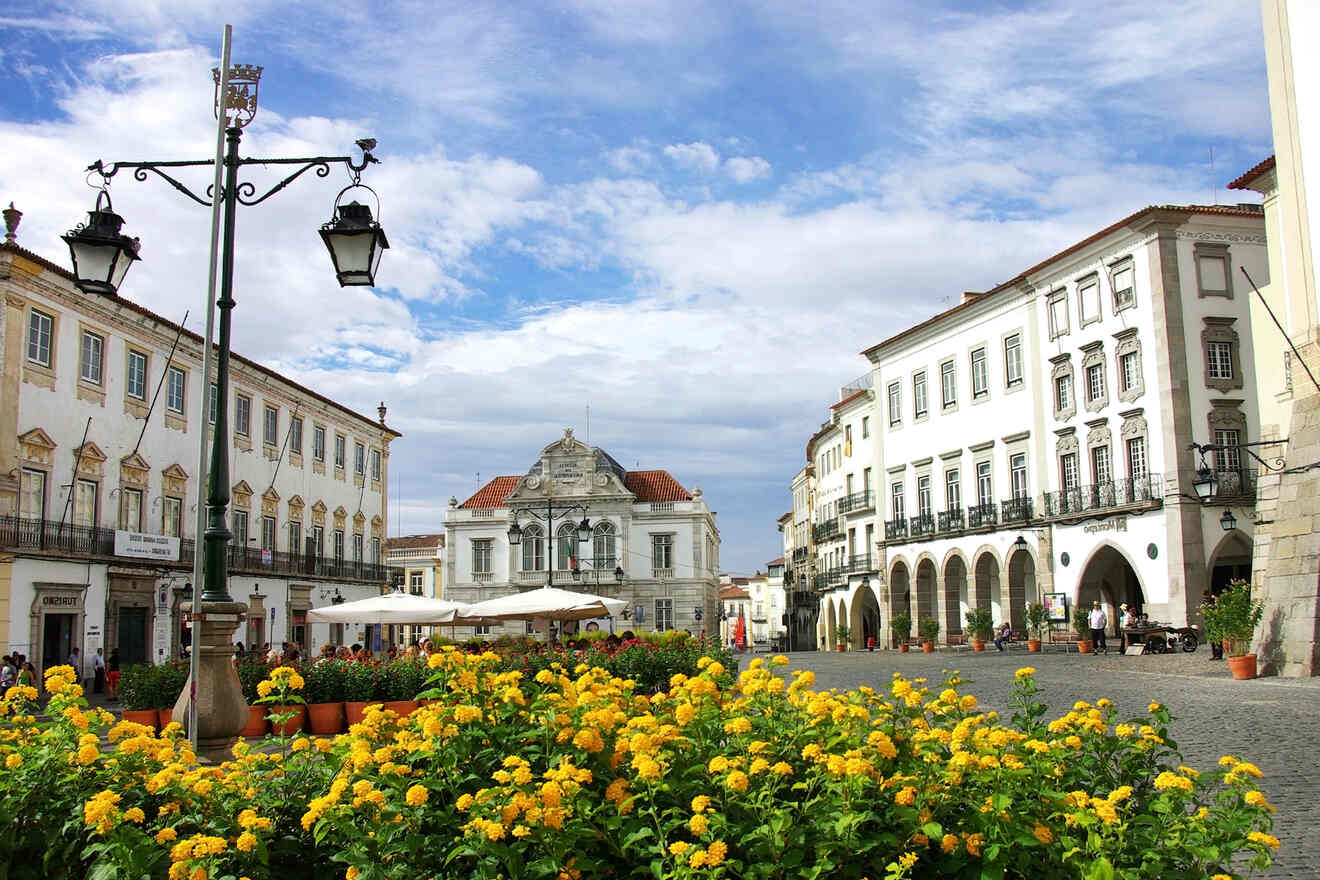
(165, 716)
(256, 725)
(149, 717)
(292, 725)
(325, 718)
(353, 711)
(840, 647)
(927, 647)
(902, 647)
(1242, 666)
(1084, 646)
(978, 644)
(1033, 646)
(403, 708)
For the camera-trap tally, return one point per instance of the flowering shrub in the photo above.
(574, 772)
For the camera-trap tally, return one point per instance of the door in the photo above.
(132, 635)
(56, 640)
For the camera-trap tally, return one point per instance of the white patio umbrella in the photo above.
(548, 603)
(397, 608)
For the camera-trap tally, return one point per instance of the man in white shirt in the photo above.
(1097, 622)
(98, 672)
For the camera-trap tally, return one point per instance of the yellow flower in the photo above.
(13, 760)
(779, 660)
(698, 858)
(948, 843)
(906, 796)
(264, 688)
(716, 852)
(416, 795)
(698, 824)
(1154, 707)
(1264, 839)
(1221, 877)
(1257, 799)
(134, 815)
(352, 872)
(1025, 672)
(247, 841)
(700, 804)
(165, 835)
(737, 781)
(678, 847)
(1166, 781)
(1043, 834)
(87, 754)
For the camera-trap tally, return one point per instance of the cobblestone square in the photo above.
(1269, 721)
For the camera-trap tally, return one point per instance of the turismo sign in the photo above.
(140, 546)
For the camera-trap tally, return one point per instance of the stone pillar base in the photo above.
(221, 710)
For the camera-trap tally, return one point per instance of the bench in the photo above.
(955, 640)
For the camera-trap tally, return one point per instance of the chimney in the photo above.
(13, 217)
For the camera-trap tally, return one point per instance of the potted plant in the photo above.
(171, 678)
(901, 626)
(325, 697)
(1036, 621)
(841, 634)
(980, 626)
(250, 673)
(1232, 619)
(929, 628)
(403, 680)
(1081, 621)
(138, 694)
(359, 688)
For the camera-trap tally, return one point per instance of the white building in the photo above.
(98, 494)
(768, 607)
(417, 562)
(1035, 438)
(655, 544)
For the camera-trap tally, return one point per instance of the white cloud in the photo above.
(629, 160)
(697, 155)
(747, 168)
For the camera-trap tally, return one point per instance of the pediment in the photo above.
(89, 452)
(359, 518)
(175, 472)
(340, 512)
(134, 461)
(296, 502)
(270, 495)
(319, 506)
(37, 437)
(241, 488)
(376, 521)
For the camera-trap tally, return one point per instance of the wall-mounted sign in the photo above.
(1152, 551)
(1056, 606)
(1065, 558)
(140, 546)
(61, 601)
(1113, 524)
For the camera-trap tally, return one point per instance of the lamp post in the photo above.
(583, 532)
(102, 256)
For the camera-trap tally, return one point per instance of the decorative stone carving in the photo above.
(241, 495)
(1134, 425)
(91, 460)
(340, 515)
(134, 471)
(270, 502)
(36, 447)
(318, 513)
(174, 480)
(1067, 444)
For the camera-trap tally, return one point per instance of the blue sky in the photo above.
(690, 216)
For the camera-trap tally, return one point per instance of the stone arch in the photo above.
(1230, 559)
(927, 588)
(866, 616)
(900, 591)
(956, 596)
(1022, 587)
(1110, 576)
(987, 593)
(830, 623)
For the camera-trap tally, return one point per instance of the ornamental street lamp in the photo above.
(580, 535)
(102, 256)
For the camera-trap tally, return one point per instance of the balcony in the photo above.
(1235, 484)
(979, 515)
(924, 524)
(952, 520)
(799, 554)
(860, 562)
(896, 529)
(827, 530)
(1015, 510)
(857, 502)
(1108, 496)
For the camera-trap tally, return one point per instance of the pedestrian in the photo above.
(1128, 621)
(1097, 621)
(112, 673)
(1002, 636)
(98, 671)
(75, 660)
(1216, 648)
(8, 673)
(27, 675)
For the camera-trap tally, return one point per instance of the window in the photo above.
(895, 403)
(566, 552)
(533, 549)
(847, 440)
(239, 527)
(270, 426)
(1013, 360)
(1121, 281)
(1017, 470)
(1063, 393)
(1095, 383)
(268, 533)
(896, 500)
(1088, 300)
(211, 403)
(1212, 269)
(984, 485)
(375, 465)
(923, 495)
(318, 541)
(40, 326)
(919, 395)
(339, 545)
(32, 495)
(1229, 458)
(341, 444)
(85, 500)
(130, 513)
(415, 582)
(1058, 314)
(952, 490)
(358, 546)
(866, 480)
(295, 537)
(242, 415)
(135, 376)
(602, 546)
(295, 435)
(175, 386)
(1219, 360)
(980, 374)
(866, 427)
(1136, 457)
(359, 459)
(172, 517)
(375, 550)
(662, 552)
(318, 443)
(1102, 469)
(93, 348)
(1129, 371)
(664, 615)
(1068, 475)
(948, 385)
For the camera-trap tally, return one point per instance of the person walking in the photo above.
(1097, 621)
(75, 660)
(98, 671)
(112, 673)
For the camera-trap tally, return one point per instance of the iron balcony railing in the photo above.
(824, 531)
(858, 562)
(1235, 484)
(895, 529)
(857, 501)
(799, 554)
(1104, 496)
(981, 515)
(1015, 510)
(829, 578)
(923, 524)
(952, 520)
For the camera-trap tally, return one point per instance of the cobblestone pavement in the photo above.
(1269, 721)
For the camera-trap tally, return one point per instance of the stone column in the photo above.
(221, 710)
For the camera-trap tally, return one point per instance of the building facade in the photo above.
(1035, 439)
(101, 413)
(417, 564)
(654, 544)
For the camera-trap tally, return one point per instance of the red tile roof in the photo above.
(734, 593)
(849, 399)
(414, 542)
(1012, 283)
(777, 559)
(656, 486)
(1244, 182)
(492, 494)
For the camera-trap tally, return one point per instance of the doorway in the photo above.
(56, 640)
(132, 635)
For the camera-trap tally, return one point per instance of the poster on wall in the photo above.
(1056, 607)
